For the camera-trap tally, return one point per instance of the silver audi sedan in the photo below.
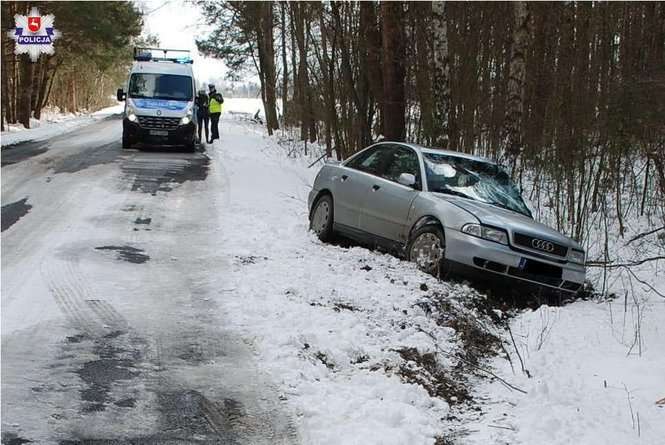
(445, 211)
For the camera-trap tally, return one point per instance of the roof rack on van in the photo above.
(143, 54)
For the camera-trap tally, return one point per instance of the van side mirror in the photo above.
(120, 95)
(407, 179)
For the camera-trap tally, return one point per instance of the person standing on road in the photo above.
(202, 113)
(216, 101)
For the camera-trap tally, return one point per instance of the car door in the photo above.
(353, 182)
(386, 210)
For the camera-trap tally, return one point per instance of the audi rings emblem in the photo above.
(541, 244)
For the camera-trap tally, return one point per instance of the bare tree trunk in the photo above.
(285, 65)
(441, 68)
(267, 63)
(393, 71)
(516, 77)
(27, 73)
(303, 80)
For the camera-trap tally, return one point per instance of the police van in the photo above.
(159, 101)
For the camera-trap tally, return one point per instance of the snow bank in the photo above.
(326, 321)
(234, 105)
(53, 123)
(597, 372)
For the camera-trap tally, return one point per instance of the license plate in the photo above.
(522, 263)
(159, 133)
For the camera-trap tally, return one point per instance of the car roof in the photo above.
(182, 69)
(439, 151)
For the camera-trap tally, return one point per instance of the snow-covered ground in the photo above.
(597, 371)
(53, 123)
(350, 338)
(327, 321)
(596, 368)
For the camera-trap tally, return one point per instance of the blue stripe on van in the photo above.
(153, 104)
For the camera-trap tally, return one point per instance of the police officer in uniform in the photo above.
(215, 100)
(202, 113)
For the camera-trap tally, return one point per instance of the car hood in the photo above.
(513, 221)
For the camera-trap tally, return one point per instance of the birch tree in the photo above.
(441, 75)
(516, 78)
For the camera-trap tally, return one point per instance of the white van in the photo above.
(159, 107)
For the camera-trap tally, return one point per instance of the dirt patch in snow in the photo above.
(14, 211)
(423, 369)
(15, 153)
(159, 172)
(127, 253)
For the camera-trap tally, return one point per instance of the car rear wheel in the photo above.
(321, 222)
(427, 249)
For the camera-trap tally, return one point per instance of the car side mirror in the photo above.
(120, 95)
(407, 179)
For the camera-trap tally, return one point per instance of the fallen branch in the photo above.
(321, 157)
(502, 427)
(642, 235)
(644, 283)
(611, 265)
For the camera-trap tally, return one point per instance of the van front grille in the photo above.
(158, 122)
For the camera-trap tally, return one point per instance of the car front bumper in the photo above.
(502, 260)
(180, 135)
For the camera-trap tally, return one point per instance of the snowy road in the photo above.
(111, 276)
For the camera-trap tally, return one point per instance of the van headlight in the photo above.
(576, 256)
(185, 120)
(486, 232)
(131, 115)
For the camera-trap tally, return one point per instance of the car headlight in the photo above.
(185, 120)
(486, 232)
(576, 256)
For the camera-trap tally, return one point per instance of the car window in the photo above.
(403, 160)
(372, 161)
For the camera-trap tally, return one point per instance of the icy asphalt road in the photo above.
(109, 333)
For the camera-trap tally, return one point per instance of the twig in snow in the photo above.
(524, 370)
(642, 235)
(630, 405)
(502, 427)
(611, 265)
(645, 283)
(321, 157)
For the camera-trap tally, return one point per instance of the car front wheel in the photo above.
(126, 143)
(321, 222)
(427, 249)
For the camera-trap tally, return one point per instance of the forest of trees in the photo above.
(91, 58)
(570, 91)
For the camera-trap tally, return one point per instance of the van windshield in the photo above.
(160, 86)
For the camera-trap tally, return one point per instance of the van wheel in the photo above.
(321, 221)
(126, 142)
(427, 248)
